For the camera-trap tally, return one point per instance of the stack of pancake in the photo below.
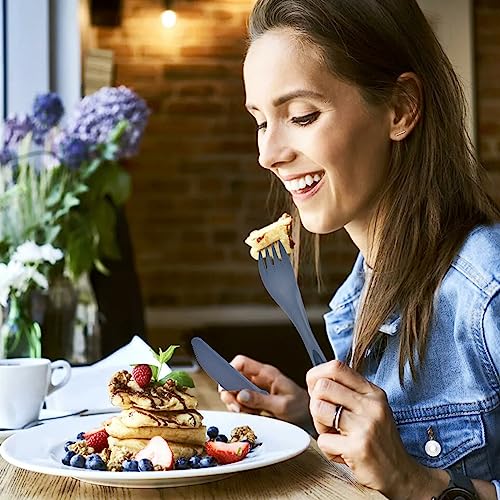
(166, 411)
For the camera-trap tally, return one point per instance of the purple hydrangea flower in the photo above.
(72, 151)
(6, 155)
(48, 110)
(97, 115)
(16, 128)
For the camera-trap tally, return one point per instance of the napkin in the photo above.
(88, 385)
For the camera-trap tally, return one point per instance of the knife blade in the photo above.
(217, 368)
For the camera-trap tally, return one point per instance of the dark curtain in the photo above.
(119, 295)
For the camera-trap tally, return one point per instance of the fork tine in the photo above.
(262, 263)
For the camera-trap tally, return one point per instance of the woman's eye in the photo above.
(261, 126)
(305, 120)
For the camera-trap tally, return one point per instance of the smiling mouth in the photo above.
(302, 185)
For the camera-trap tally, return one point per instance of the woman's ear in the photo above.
(407, 103)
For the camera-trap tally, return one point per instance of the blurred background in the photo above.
(197, 190)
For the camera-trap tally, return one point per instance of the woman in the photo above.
(361, 96)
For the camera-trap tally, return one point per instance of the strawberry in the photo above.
(142, 375)
(97, 440)
(227, 453)
(159, 452)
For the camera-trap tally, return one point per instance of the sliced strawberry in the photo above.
(92, 431)
(159, 452)
(142, 375)
(227, 453)
(97, 440)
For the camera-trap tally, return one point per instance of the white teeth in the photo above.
(302, 182)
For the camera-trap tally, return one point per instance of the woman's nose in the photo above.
(274, 150)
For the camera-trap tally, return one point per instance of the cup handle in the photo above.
(60, 363)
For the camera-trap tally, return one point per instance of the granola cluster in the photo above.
(243, 433)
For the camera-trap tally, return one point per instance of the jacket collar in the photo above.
(349, 294)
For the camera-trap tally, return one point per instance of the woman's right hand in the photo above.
(286, 400)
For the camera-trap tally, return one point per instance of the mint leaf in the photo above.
(154, 372)
(165, 356)
(181, 378)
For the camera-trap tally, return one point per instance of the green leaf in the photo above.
(181, 378)
(90, 168)
(110, 151)
(165, 356)
(52, 233)
(154, 372)
(116, 134)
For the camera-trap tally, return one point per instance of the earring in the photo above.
(401, 133)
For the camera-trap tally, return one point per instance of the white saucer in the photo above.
(43, 414)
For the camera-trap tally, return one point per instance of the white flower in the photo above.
(16, 277)
(38, 278)
(13, 276)
(51, 254)
(30, 252)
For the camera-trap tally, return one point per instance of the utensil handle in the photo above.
(302, 325)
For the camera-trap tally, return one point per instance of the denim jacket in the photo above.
(455, 400)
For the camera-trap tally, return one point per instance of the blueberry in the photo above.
(194, 462)
(77, 461)
(80, 436)
(130, 465)
(182, 463)
(207, 462)
(95, 462)
(145, 465)
(212, 432)
(67, 444)
(221, 437)
(69, 455)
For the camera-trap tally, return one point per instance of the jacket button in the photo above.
(432, 448)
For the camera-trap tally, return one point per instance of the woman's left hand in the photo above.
(368, 440)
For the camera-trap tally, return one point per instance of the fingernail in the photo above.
(244, 396)
(234, 407)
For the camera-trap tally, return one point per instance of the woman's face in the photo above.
(316, 133)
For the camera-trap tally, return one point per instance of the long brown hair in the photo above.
(434, 194)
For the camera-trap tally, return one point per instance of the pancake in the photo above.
(126, 393)
(194, 435)
(260, 239)
(139, 417)
(134, 445)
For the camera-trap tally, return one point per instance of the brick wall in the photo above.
(487, 23)
(197, 188)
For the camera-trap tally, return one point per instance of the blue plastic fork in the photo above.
(279, 279)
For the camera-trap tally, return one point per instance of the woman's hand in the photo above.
(286, 400)
(368, 440)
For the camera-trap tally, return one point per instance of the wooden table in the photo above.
(309, 475)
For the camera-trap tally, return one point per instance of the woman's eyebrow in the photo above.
(294, 94)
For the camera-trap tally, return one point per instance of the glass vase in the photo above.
(20, 334)
(70, 327)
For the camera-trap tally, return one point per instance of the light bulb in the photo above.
(168, 18)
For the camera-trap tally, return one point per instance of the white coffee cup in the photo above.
(24, 384)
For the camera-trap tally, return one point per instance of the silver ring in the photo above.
(336, 417)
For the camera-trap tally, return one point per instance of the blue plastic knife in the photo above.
(217, 368)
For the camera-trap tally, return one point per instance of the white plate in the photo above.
(40, 449)
(43, 414)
